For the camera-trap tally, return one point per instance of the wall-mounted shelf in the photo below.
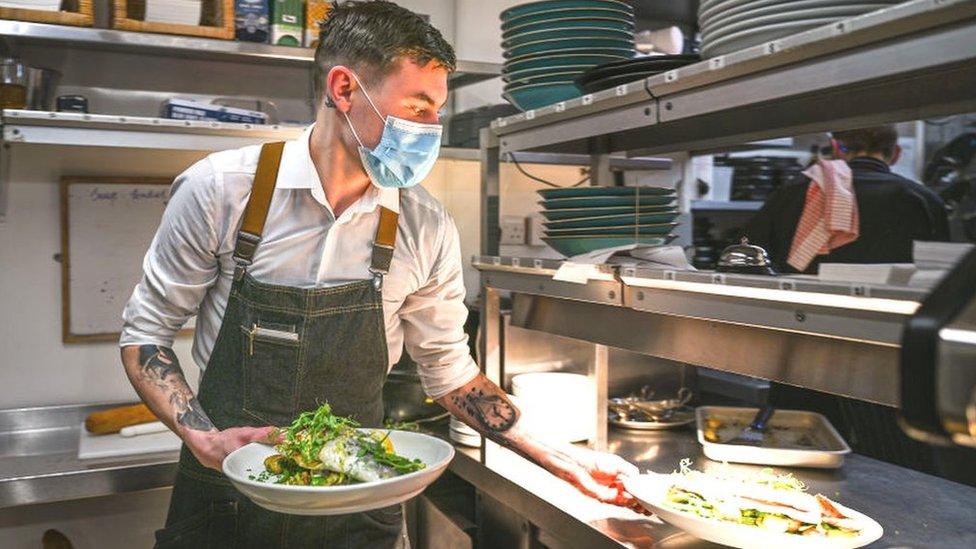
(468, 72)
(25, 127)
(909, 61)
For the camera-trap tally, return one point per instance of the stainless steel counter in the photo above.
(38, 464)
(39, 460)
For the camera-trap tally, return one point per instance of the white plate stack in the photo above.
(556, 406)
(464, 435)
(40, 5)
(180, 12)
(731, 25)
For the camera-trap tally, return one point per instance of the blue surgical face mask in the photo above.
(406, 152)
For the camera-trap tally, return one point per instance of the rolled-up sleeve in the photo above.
(433, 321)
(181, 263)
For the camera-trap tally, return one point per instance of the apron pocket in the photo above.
(271, 353)
(215, 528)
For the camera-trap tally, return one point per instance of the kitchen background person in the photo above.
(893, 210)
(309, 267)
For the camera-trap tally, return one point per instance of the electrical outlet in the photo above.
(513, 230)
(535, 230)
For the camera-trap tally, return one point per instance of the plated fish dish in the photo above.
(323, 449)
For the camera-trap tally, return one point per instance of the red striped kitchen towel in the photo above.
(829, 218)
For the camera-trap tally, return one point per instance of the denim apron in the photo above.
(281, 351)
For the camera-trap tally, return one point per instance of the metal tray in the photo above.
(827, 448)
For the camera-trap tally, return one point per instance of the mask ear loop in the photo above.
(368, 98)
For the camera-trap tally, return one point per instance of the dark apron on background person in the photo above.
(281, 351)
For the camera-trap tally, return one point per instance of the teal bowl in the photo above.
(567, 33)
(625, 220)
(569, 23)
(546, 78)
(606, 201)
(547, 5)
(533, 96)
(554, 62)
(568, 12)
(575, 245)
(578, 43)
(605, 211)
(580, 192)
(544, 71)
(652, 229)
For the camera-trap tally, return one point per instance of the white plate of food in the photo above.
(759, 509)
(327, 465)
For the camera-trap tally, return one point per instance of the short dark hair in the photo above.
(876, 139)
(369, 36)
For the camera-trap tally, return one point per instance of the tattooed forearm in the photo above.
(160, 367)
(489, 408)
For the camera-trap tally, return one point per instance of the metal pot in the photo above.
(404, 398)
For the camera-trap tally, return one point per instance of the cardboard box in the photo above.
(252, 20)
(287, 22)
(316, 11)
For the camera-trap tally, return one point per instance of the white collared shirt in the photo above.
(189, 266)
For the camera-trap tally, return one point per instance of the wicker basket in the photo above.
(77, 13)
(217, 19)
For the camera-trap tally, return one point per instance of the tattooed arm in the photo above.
(486, 408)
(156, 374)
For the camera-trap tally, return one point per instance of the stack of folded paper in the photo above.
(181, 12)
(42, 5)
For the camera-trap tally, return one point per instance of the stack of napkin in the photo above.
(42, 5)
(180, 12)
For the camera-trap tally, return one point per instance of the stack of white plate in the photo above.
(556, 406)
(732, 25)
(464, 435)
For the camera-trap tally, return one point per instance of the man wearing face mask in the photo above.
(310, 265)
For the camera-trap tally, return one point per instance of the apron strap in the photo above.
(383, 245)
(256, 211)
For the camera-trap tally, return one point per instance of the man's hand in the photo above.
(211, 447)
(596, 474)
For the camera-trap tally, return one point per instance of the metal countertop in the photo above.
(38, 464)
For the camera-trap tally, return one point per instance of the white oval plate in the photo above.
(339, 500)
(651, 489)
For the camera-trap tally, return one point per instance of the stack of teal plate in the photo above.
(583, 219)
(548, 44)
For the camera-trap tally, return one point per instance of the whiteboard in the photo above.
(107, 225)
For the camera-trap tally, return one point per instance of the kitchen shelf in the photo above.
(910, 61)
(468, 72)
(835, 337)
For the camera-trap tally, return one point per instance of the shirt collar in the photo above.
(297, 171)
(869, 163)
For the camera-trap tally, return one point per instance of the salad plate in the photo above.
(747, 510)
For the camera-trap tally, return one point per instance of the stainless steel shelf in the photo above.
(910, 61)
(102, 130)
(834, 337)
(468, 72)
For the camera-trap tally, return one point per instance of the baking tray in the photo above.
(827, 449)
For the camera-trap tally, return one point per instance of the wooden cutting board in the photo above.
(115, 445)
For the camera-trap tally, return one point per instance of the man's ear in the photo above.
(895, 155)
(839, 150)
(339, 85)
